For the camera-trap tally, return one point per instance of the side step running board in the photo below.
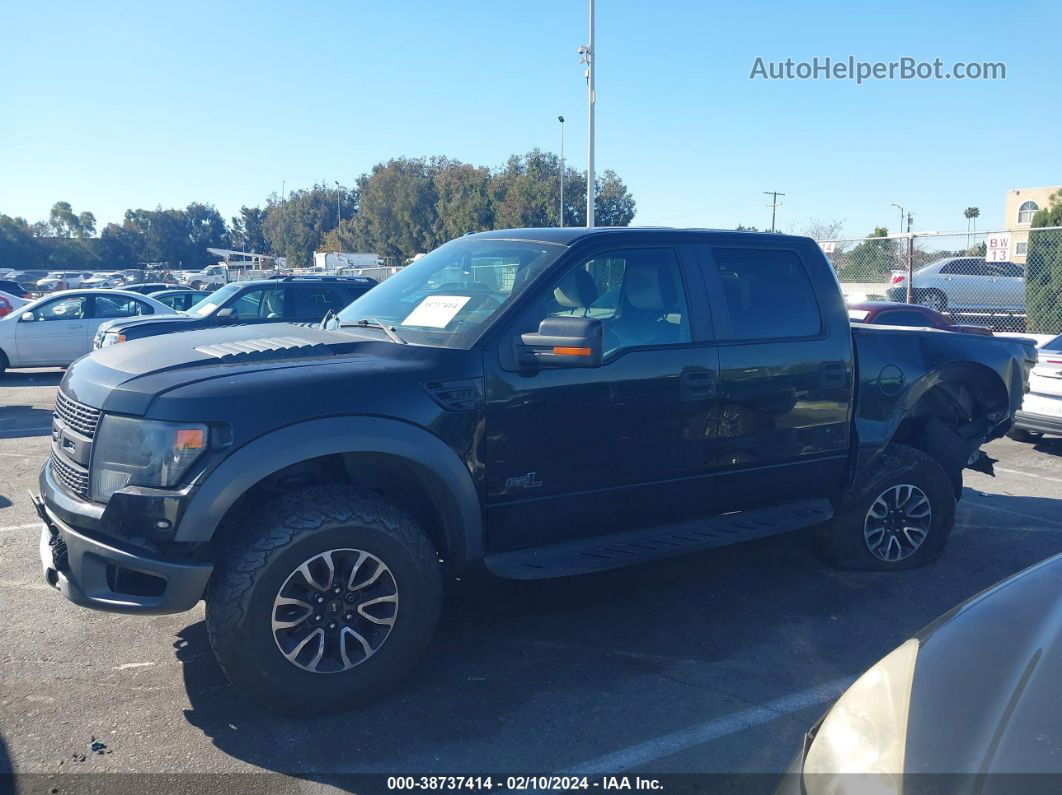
(601, 553)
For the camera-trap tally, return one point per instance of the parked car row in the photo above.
(963, 284)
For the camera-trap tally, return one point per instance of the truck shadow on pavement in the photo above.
(537, 676)
(19, 422)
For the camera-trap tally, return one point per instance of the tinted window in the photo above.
(119, 306)
(965, 267)
(637, 294)
(1054, 345)
(768, 294)
(903, 318)
(313, 302)
(1010, 269)
(61, 309)
(265, 302)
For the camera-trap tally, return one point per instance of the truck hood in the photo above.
(201, 373)
(988, 681)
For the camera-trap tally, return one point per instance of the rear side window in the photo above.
(314, 302)
(768, 294)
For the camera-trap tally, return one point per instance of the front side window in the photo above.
(768, 294)
(119, 307)
(637, 294)
(447, 298)
(209, 304)
(61, 309)
(265, 303)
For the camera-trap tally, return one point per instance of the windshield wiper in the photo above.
(372, 322)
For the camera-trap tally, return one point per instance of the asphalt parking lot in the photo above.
(711, 663)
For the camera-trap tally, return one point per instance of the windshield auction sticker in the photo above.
(436, 311)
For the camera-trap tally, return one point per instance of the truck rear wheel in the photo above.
(323, 600)
(897, 517)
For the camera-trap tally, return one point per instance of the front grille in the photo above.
(77, 416)
(72, 478)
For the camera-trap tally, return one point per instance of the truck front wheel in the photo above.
(323, 600)
(898, 516)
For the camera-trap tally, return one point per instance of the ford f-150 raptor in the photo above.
(533, 402)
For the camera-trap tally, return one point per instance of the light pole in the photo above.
(339, 206)
(561, 120)
(588, 57)
(898, 207)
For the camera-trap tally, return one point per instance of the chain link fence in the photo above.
(1007, 280)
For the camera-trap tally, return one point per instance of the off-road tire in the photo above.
(256, 559)
(841, 541)
(1017, 434)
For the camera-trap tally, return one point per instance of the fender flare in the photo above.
(247, 465)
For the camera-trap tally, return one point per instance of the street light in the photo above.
(339, 206)
(898, 207)
(561, 120)
(587, 56)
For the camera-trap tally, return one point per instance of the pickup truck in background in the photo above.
(212, 277)
(532, 402)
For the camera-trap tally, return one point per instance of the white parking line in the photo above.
(702, 733)
(1035, 518)
(11, 432)
(15, 527)
(1027, 474)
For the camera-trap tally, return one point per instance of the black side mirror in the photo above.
(562, 342)
(228, 313)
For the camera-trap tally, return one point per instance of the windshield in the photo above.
(211, 302)
(446, 298)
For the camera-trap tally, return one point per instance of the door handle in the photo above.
(833, 375)
(699, 384)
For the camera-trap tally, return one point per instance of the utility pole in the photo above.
(339, 206)
(588, 56)
(561, 120)
(774, 204)
(283, 186)
(910, 259)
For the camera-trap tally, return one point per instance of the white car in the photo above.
(1041, 409)
(54, 330)
(62, 280)
(967, 284)
(10, 303)
(104, 280)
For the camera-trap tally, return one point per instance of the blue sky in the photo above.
(116, 105)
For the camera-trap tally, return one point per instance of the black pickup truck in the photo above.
(533, 402)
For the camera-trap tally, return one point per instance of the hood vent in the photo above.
(265, 348)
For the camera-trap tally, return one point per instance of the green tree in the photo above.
(613, 203)
(397, 208)
(463, 201)
(525, 192)
(63, 222)
(871, 260)
(248, 231)
(296, 226)
(19, 247)
(1043, 271)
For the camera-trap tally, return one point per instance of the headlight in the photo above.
(111, 338)
(143, 453)
(866, 731)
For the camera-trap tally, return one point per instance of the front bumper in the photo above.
(1038, 423)
(99, 575)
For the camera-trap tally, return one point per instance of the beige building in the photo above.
(1022, 205)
